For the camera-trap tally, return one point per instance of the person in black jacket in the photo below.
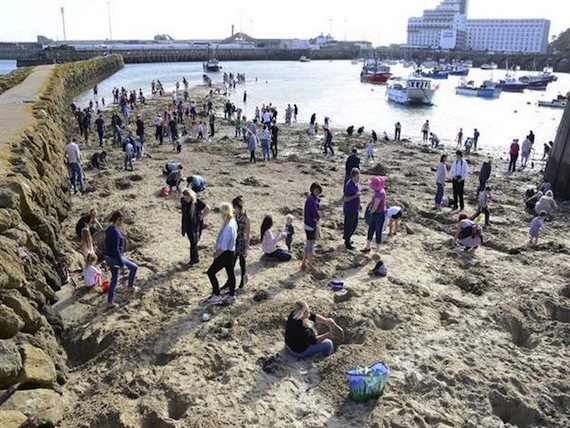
(193, 213)
(301, 338)
(353, 161)
(484, 175)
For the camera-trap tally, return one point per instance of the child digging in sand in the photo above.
(535, 226)
(289, 230)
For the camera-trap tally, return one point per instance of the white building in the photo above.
(508, 35)
(447, 27)
(443, 27)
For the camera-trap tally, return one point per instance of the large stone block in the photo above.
(31, 317)
(6, 219)
(10, 322)
(38, 369)
(45, 404)
(11, 418)
(10, 363)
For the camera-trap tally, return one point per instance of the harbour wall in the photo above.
(558, 166)
(34, 202)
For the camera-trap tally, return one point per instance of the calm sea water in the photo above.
(333, 88)
(7, 66)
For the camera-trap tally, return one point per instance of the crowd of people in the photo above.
(235, 233)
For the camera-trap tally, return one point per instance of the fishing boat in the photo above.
(373, 71)
(511, 84)
(212, 65)
(553, 103)
(491, 66)
(304, 59)
(489, 89)
(458, 70)
(436, 73)
(412, 90)
(559, 102)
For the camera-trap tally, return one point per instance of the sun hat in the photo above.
(376, 183)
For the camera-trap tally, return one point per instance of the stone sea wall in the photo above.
(34, 201)
(14, 78)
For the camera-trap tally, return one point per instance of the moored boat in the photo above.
(373, 71)
(413, 90)
(488, 89)
(458, 70)
(212, 65)
(304, 59)
(553, 103)
(435, 74)
(489, 66)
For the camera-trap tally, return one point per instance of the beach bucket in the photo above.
(366, 383)
(105, 286)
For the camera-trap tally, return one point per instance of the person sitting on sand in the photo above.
(99, 160)
(114, 257)
(91, 273)
(193, 213)
(546, 203)
(269, 241)
(468, 233)
(301, 338)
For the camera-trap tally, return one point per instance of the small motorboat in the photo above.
(435, 74)
(553, 104)
(490, 66)
(304, 59)
(212, 65)
(488, 89)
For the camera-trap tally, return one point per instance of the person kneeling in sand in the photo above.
(269, 241)
(302, 339)
(468, 233)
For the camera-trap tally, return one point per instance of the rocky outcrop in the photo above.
(34, 201)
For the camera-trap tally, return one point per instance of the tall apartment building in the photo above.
(443, 27)
(447, 27)
(508, 35)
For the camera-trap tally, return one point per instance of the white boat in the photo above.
(491, 66)
(304, 59)
(412, 90)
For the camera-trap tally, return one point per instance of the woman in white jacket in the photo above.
(269, 241)
(546, 203)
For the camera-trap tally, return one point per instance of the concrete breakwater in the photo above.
(34, 200)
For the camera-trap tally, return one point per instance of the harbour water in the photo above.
(333, 89)
(7, 66)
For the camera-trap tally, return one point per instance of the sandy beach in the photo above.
(471, 339)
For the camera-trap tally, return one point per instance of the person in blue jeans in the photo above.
(114, 250)
(301, 338)
(378, 210)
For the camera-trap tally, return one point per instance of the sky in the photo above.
(23, 20)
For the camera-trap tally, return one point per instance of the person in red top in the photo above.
(514, 153)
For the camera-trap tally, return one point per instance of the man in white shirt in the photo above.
(459, 172)
(73, 156)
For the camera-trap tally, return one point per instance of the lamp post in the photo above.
(63, 23)
(109, 15)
